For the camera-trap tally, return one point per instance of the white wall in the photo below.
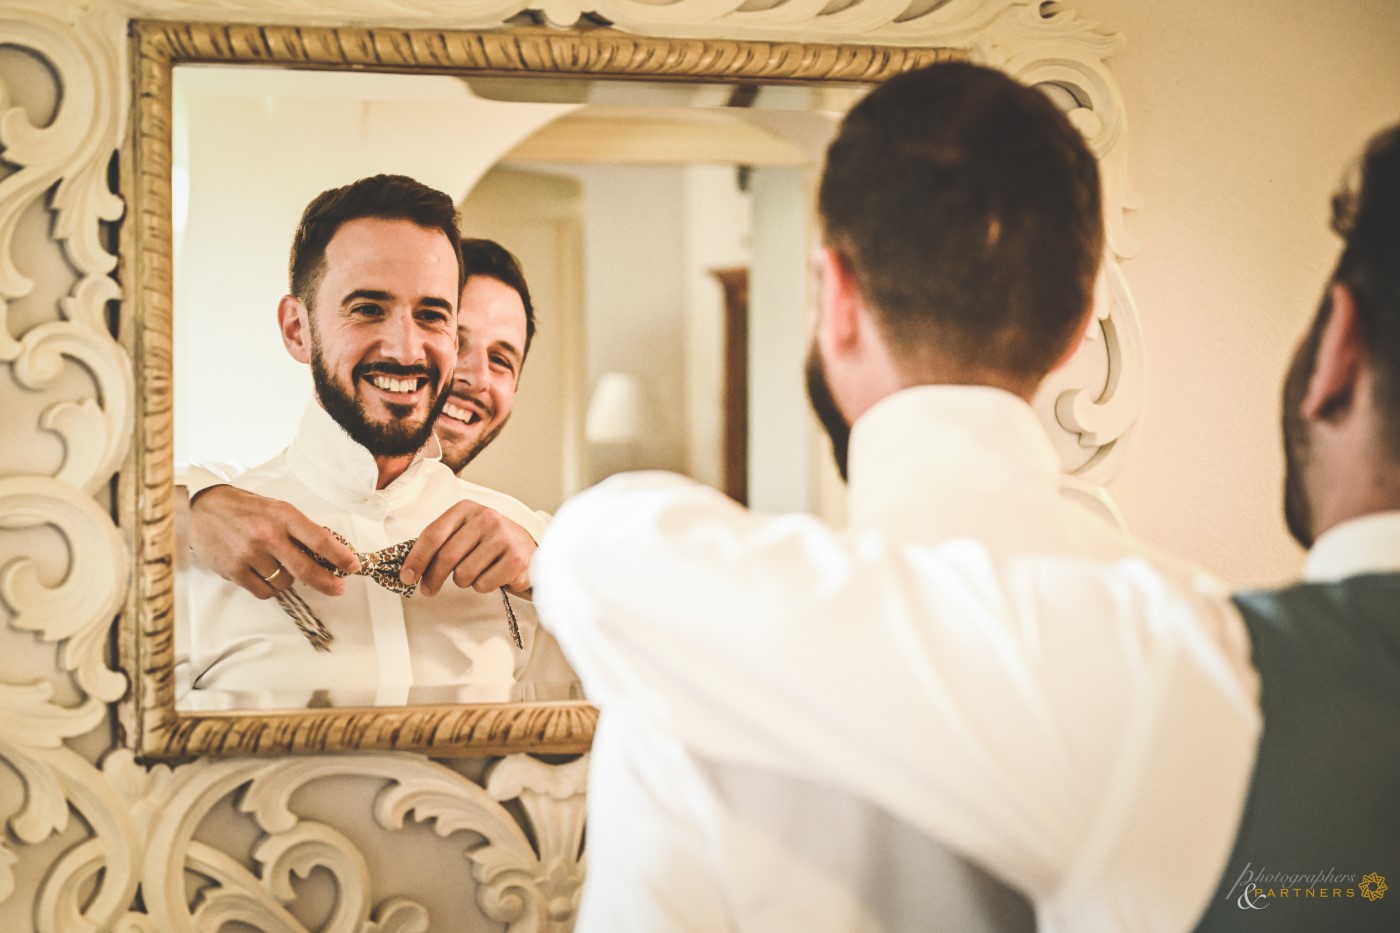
(718, 218)
(634, 299)
(1241, 119)
(651, 308)
(781, 451)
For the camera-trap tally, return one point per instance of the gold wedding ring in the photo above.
(273, 576)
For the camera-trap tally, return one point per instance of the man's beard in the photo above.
(824, 405)
(1297, 440)
(395, 438)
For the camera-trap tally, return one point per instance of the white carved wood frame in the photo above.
(97, 841)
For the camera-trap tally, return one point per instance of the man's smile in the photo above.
(399, 384)
(464, 411)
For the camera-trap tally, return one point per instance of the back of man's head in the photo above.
(968, 211)
(390, 197)
(1366, 214)
(491, 259)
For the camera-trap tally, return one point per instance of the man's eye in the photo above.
(366, 310)
(432, 316)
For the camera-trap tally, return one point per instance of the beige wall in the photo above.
(1241, 119)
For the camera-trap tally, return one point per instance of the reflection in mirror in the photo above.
(663, 228)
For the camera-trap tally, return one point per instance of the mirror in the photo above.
(630, 204)
(662, 219)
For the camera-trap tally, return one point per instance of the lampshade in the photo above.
(615, 413)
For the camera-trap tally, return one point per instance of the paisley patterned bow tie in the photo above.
(383, 567)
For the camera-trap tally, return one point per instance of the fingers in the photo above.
(277, 579)
(302, 535)
(249, 539)
(430, 542)
(461, 557)
(304, 569)
(465, 543)
(293, 565)
(252, 581)
(476, 568)
(319, 540)
(503, 572)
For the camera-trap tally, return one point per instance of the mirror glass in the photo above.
(663, 228)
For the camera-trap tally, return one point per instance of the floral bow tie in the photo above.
(383, 567)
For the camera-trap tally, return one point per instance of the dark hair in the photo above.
(392, 197)
(1366, 215)
(491, 259)
(968, 210)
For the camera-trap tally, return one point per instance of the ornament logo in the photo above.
(1373, 886)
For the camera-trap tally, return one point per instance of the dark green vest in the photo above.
(1318, 848)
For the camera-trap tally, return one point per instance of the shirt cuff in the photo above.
(197, 477)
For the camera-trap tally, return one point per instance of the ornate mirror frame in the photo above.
(153, 726)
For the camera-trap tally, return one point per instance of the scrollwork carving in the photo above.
(517, 887)
(547, 795)
(66, 159)
(78, 610)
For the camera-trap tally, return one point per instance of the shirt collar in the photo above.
(951, 442)
(1369, 544)
(328, 460)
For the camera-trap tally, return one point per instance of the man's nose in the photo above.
(471, 366)
(401, 339)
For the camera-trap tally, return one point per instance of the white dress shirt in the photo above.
(1369, 544)
(975, 655)
(242, 652)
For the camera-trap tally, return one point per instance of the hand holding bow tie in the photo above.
(264, 545)
(477, 547)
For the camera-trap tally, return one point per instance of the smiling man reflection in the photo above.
(375, 278)
(495, 327)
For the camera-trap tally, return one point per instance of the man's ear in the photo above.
(1339, 353)
(838, 326)
(294, 320)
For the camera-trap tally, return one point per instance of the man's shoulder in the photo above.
(1372, 597)
(509, 506)
(258, 478)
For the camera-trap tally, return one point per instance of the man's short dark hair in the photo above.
(1366, 215)
(391, 197)
(491, 259)
(968, 210)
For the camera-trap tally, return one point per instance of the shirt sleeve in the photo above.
(197, 477)
(532, 521)
(992, 703)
